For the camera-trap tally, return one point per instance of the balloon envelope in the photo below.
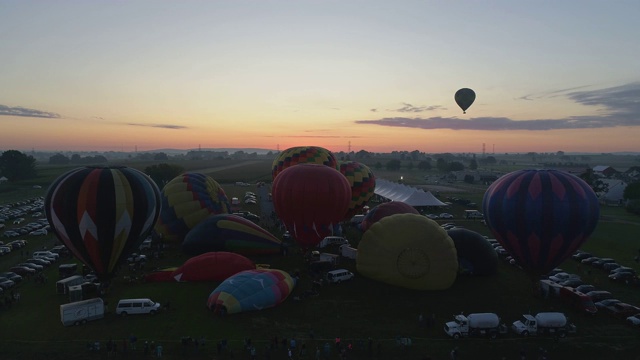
(476, 256)
(212, 266)
(303, 155)
(251, 290)
(102, 214)
(409, 251)
(540, 217)
(310, 199)
(186, 201)
(464, 98)
(233, 233)
(362, 183)
(386, 209)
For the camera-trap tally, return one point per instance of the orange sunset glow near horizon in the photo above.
(374, 76)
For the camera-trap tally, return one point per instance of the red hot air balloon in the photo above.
(310, 199)
(540, 217)
(102, 214)
(386, 209)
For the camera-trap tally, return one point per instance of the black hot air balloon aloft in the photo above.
(464, 98)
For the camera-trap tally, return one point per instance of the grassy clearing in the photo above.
(355, 311)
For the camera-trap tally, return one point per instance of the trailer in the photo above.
(79, 312)
(348, 252)
(62, 286)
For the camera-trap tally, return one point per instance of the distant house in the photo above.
(3, 180)
(614, 194)
(604, 170)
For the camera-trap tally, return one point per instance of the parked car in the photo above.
(137, 258)
(446, 216)
(6, 284)
(622, 310)
(585, 288)
(611, 266)
(22, 270)
(600, 263)
(11, 276)
(40, 261)
(36, 267)
(563, 276)
(623, 269)
(634, 320)
(625, 277)
(602, 304)
(574, 283)
(599, 295)
(432, 216)
(590, 260)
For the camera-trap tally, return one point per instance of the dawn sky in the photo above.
(549, 75)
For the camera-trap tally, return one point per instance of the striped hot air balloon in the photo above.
(102, 214)
(303, 155)
(540, 217)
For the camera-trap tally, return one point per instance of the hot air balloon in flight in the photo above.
(540, 217)
(464, 98)
(102, 214)
(362, 182)
(384, 210)
(251, 290)
(409, 251)
(233, 233)
(186, 201)
(310, 199)
(303, 155)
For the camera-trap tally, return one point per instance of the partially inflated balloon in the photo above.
(251, 290)
(386, 209)
(409, 251)
(540, 217)
(310, 199)
(363, 185)
(303, 155)
(464, 98)
(476, 256)
(227, 232)
(186, 201)
(212, 266)
(102, 214)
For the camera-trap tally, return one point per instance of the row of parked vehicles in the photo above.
(588, 298)
(490, 325)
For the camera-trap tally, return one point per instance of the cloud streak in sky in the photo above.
(162, 126)
(620, 107)
(24, 112)
(416, 109)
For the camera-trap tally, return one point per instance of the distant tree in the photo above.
(410, 165)
(163, 173)
(632, 191)
(456, 166)
(76, 159)
(58, 159)
(469, 178)
(160, 157)
(442, 165)
(394, 164)
(597, 185)
(473, 165)
(414, 155)
(424, 165)
(16, 166)
(378, 165)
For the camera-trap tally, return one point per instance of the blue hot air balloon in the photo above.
(540, 217)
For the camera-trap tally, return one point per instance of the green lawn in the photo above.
(355, 311)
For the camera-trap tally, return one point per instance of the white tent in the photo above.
(406, 194)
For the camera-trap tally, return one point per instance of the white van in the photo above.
(137, 306)
(333, 240)
(338, 276)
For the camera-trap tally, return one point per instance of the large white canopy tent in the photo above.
(406, 194)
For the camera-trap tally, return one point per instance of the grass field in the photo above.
(355, 311)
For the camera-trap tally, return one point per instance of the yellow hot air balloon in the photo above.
(409, 251)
